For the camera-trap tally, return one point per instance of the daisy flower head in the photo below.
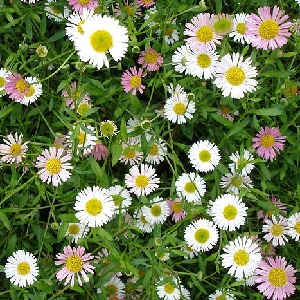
(239, 29)
(190, 253)
(54, 165)
(157, 212)
(74, 94)
(294, 226)
(15, 86)
(178, 108)
(202, 63)
(268, 30)
(76, 231)
(190, 186)
(142, 181)
(241, 257)
(53, 11)
(170, 34)
(129, 9)
(201, 235)
(221, 293)
(226, 112)
(233, 182)
(75, 263)
(145, 3)
(21, 268)
(121, 198)
(142, 223)
(157, 152)
(279, 206)
(201, 33)
(275, 278)
(34, 90)
(30, 1)
(169, 290)
(179, 58)
(131, 152)
(131, 80)
(95, 206)
(80, 5)
(150, 59)
(269, 142)
(241, 163)
(13, 150)
(235, 76)
(222, 23)
(108, 128)
(204, 156)
(3, 75)
(276, 230)
(101, 35)
(115, 287)
(176, 209)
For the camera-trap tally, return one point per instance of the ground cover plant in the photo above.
(149, 149)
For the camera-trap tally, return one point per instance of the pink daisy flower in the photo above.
(74, 95)
(202, 35)
(79, 5)
(176, 208)
(275, 278)
(150, 59)
(132, 80)
(75, 263)
(268, 141)
(279, 205)
(99, 151)
(129, 9)
(268, 30)
(16, 87)
(145, 3)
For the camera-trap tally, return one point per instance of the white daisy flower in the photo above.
(202, 63)
(234, 76)
(115, 287)
(13, 150)
(219, 293)
(276, 230)
(168, 291)
(158, 211)
(76, 231)
(142, 181)
(142, 223)
(179, 58)
(175, 91)
(232, 182)
(95, 206)
(178, 108)
(3, 74)
(54, 165)
(228, 212)
(157, 152)
(171, 34)
(121, 198)
(101, 35)
(35, 90)
(131, 152)
(204, 156)
(164, 256)
(53, 11)
(294, 226)
(201, 235)
(239, 28)
(21, 268)
(190, 253)
(241, 257)
(190, 186)
(241, 162)
(107, 128)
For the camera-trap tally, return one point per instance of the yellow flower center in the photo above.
(204, 34)
(15, 149)
(135, 81)
(111, 289)
(179, 108)
(230, 212)
(223, 25)
(204, 156)
(53, 165)
(74, 263)
(83, 108)
(156, 210)
(242, 162)
(236, 180)
(79, 28)
(241, 28)
(73, 229)
(224, 110)
(143, 220)
(107, 128)
(204, 61)
(30, 91)
(129, 10)
(241, 257)
(2, 82)
(267, 141)
(190, 187)
(129, 153)
(276, 230)
(297, 227)
(277, 277)
(55, 10)
(93, 207)
(147, 2)
(142, 181)
(21, 85)
(118, 199)
(202, 235)
(23, 268)
(101, 41)
(83, 2)
(153, 150)
(235, 76)
(168, 288)
(169, 31)
(81, 138)
(268, 29)
(177, 207)
(151, 57)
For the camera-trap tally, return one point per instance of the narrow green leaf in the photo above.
(57, 36)
(6, 110)
(238, 127)
(4, 220)
(272, 111)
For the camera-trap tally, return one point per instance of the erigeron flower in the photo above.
(13, 150)
(239, 29)
(157, 151)
(3, 75)
(75, 263)
(150, 59)
(169, 290)
(222, 23)
(201, 235)
(176, 209)
(170, 33)
(142, 181)
(190, 253)
(15, 86)
(121, 198)
(131, 80)
(269, 142)
(190, 186)
(142, 223)
(241, 256)
(129, 9)
(179, 58)
(21, 268)
(226, 112)
(221, 294)
(268, 29)
(74, 95)
(278, 207)
(157, 212)
(115, 287)
(99, 151)
(108, 128)
(233, 182)
(53, 11)
(201, 33)
(145, 3)
(241, 163)
(54, 165)
(95, 206)
(131, 152)
(76, 231)
(276, 230)
(294, 226)
(34, 90)
(235, 76)
(80, 5)
(101, 35)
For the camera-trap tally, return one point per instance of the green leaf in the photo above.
(116, 152)
(28, 28)
(62, 231)
(70, 218)
(102, 233)
(57, 36)
(95, 167)
(276, 110)
(6, 110)
(4, 220)
(238, 127)
(123, 129)
(277, 73)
